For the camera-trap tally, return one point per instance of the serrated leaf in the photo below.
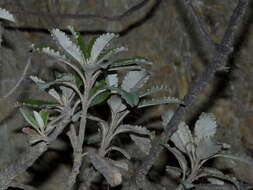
(116, 104)
(206, 148)
(180, 158)
(37, 103)
(50, 51)
(6, 15)
(182, 138)
(132, 129)
(42, 85)
(67, 45)
(143, 143)
(159, 101)
(108, 54)
(56, 95)
(110, 172)
(153, 90)
(45, 116)
(131, 99)
(99, 45)
(80, 41)
(39, 120)
(30, 119)
(134, 80)
(90, 45)
(205, 127)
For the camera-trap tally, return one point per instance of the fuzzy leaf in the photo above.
(109, 171)
(116, 104)
(67, 45)
(66, 93)
(39, 120)
(79, 40)
(55, 94)
(205, 127)
(159, 101)
(131, 98)
(90, 45)
(99, 45)
(6, 15)
(50, 51)
(153, 90)
(30, 119)
(112, 80)
(132, 129)
(182, 138)
(206, 148)
(42, 85)
(180, 158)
(37, 103)
(134, 80)
(143, 143)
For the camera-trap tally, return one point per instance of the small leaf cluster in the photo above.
(198, 148)
(39, 127)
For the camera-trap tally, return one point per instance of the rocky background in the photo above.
(162, 31)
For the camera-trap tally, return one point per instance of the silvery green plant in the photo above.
(197, 147)
(92, 81)
(120, 103)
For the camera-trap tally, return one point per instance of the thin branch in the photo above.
(199, 25)
(218, 62)
(29, 157)
(83, 16)
(19, 81)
